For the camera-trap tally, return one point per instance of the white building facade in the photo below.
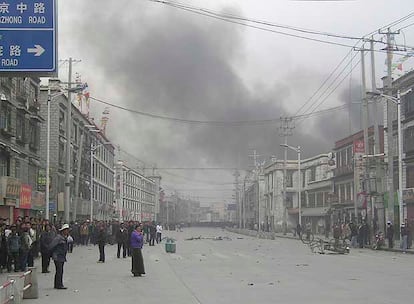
(135, 194)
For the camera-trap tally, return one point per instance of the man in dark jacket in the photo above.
(153, 233)
(122, 239)
(390, 234)
(13, 246)
(59, 248)
(101, 241)
(46, 239)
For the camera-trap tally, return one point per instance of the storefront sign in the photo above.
(408, 196)
(38, 201)
(359, 146)
(9, 190)
(25, 197)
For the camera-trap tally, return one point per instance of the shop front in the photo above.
(10, 189)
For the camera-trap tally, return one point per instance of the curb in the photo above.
(295, 238)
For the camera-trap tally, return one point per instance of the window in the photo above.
(319, 199)
(289, 178)
(311, 200)
(312, 175)
(61, 153)
(62, 122)
(34, 135)
(410, 176)
(20, 128)
(5, 118)
(17, 171)
(348, 194)
(4, 165)
(409, 139)
(408, 101)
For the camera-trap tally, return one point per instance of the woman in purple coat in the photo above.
(137, 240)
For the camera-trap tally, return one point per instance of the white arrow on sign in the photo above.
(37, 50)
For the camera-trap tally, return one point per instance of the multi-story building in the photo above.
(135, 194)
(86, 140)
(357, 194)
(21, 188)
(316, 188)
(274, 197)
(404, 83)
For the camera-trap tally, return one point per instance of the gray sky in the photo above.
(158, 59)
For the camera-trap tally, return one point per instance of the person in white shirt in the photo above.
(159, 231)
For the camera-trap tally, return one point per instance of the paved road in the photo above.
(240, 271)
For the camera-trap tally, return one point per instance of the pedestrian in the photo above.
(46, 239)
(13, 245)
(354, 234)
(153, 232)
(137, 241)
(298, 229)
(159, 232)
(408, 228)
(101, 241)
(25, 245)
(70, 243)
(404, 238)
(84, 234)
(130, 230)
(58, 249)
(122, 239)
(390, 234)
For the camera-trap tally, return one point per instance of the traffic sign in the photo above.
(28, 37)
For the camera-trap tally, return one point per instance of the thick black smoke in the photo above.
(164, 61)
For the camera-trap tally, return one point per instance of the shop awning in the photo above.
(317, 211)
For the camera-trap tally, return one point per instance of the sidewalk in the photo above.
(273, 235)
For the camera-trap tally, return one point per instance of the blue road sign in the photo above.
(28, 36)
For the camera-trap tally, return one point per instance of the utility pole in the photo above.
(78, 173)
(256, 177)
(285, 131)
(376, 134)
(389, 118)
(236, 175)
(68, 148)
(365, 125)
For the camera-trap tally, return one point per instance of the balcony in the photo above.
(344, 170)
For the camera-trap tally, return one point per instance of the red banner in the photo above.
(359, 146)
(25, 197)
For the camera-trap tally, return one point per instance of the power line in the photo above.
(215, 15)
(221, 123)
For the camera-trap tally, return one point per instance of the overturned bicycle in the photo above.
(322, 246)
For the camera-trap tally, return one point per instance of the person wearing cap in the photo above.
(13, 245)
(390, 234)
(58, 249)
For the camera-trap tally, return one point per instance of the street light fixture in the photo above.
(397, 101)
(297, 150)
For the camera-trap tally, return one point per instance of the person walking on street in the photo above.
(25, 245)
(137, 241)
(46, 239)
(13, 245)
(58, 249)
(122, 239)
(159, 232)
(390, 234)
(354, 234)
(101, 241)
(299, 230)
(404, 238)
(153, 232)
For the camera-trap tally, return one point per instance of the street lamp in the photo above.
(50, 98)
(297, 150)
(397, 101)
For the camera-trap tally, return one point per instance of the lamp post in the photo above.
(297, 150)
(397, 101)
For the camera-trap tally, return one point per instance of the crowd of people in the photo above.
(28, 238)
(360, 234)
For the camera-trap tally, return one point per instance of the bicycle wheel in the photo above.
(307, 237)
